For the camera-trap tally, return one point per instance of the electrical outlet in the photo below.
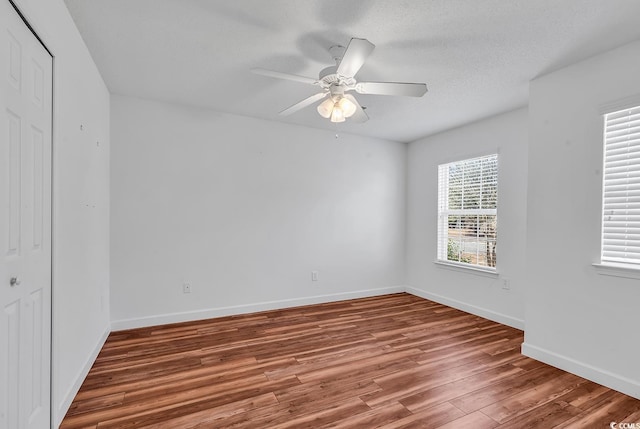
(506, 284)
(314, 276)
(186, 288)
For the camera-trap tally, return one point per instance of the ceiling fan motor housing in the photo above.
(328, 72)
(328, 79)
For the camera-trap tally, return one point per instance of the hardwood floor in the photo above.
(392, 362)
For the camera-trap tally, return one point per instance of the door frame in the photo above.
(32, 29)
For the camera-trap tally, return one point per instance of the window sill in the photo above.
(478, 271)
(617, 271)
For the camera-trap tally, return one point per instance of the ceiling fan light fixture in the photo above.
(325, 108)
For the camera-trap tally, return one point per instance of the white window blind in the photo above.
(621, 188)
(467, 211)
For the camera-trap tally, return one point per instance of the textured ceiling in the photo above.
(476, 56)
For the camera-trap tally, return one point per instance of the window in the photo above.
(621, 189)
(467, 211)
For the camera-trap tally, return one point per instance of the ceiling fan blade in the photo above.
(304, 103)
(286, 76)
(392, 88)
(360, 115)
(354, 57)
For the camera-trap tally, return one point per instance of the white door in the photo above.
(25, 225)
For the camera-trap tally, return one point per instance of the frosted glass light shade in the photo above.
(325, 108)
(347, 106)
(337, 115)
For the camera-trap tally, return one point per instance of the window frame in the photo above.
(609, 265)
(443, 213)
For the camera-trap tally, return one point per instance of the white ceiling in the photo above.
(476, 56)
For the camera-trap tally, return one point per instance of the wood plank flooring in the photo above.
(392, 362)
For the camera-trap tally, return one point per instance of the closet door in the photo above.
(25, 224)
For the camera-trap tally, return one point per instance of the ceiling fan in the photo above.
(336, 81)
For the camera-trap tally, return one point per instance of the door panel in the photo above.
(38, 186)
(13, 182)
(25, 225)
(11, 359)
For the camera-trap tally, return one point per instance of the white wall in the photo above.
(577, 319)
(244, 210)
(80, 199)
(477, 293)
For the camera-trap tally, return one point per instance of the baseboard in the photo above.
(473, 309)
(597, 375)
(66, 401)
(141, 322)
